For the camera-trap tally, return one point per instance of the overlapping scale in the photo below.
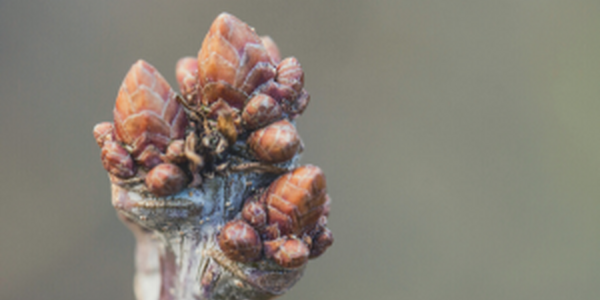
(146, 115)
(232, 62)
(295, 201)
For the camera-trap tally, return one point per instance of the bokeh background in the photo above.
(460, 139)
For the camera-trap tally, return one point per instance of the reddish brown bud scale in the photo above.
(295, 201)
(288, 253)
(232, 62)
(103, 132)
(283, 94)
(272, 49)
(146, 111)
(289, 72)
(236, 87)
(261, 110)
(165, 179)
(240, 242)
(275, 143)
(116, 160)
(150, 157)
(220, 91)
(281, 223)
(255, 214)
(186, 73)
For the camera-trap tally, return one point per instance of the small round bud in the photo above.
(116, 160)
(261, 110)
(283, 94)
(254, 213)
(240, 242)
(150, 157)
(275, 143)
(104, 132)
(289, 72)
(165, 179)
(288, 253)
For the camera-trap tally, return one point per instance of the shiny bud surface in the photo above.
(289, 72)
(295, 201)
(232, 60)
(146, 112)
(275, 143)
(261, 110)
(103, 132)
(255, 214)
(165, 179)
(240, 242)
(116, 160)
(291, 253)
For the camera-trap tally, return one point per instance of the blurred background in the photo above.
(460, 139)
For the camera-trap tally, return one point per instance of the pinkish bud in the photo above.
(165, 179)
(261, 110)
(116, 160)
(146, 111)
(288, 253)
(240, 242)
(289, 72)
(254, 213)
(283, 94)
(104, 132)
(150, 157)
(275, 143)
(186, 73)
(232, 62)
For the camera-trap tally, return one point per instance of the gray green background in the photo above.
(460, 139)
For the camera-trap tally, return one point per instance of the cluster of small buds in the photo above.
(287, 221)
(234, 113)
(148, 120)
(237, 89)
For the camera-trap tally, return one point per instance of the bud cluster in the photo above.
(217, 161)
